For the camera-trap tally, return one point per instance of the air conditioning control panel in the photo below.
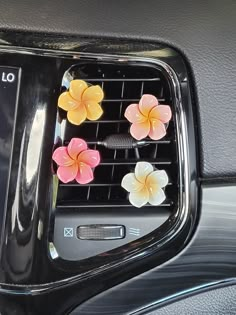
(69, 244)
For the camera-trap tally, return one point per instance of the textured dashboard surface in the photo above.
(214, 302)
(202, 30)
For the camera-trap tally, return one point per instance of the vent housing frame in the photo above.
(170, 229)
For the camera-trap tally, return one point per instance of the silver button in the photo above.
(101, 232)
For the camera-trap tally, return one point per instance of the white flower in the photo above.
(145, 185)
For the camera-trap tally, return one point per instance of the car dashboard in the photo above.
(82, 244)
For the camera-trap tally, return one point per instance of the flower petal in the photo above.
(142, 170)
(61, 157)
(141, 130)
(130, 183)
(133, 114)
(157, 130)
(162, 113)
(67, 174)
(140, 198)
(94, 110)
(90, 157)
(146, 104)
(85, 174)
(93, 93)
(77, 88)
(157, 196)
(66, 102)
(76, 146)
(158, 178)
(77, 116)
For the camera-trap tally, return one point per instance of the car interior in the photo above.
(117, 157)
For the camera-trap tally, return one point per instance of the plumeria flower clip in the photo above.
(81, 102)
(145, 185)
(148, 118)
(75, 162)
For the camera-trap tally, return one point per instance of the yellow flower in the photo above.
(81, 102)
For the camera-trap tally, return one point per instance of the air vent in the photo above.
(123, 85)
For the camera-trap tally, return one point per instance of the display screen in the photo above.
(9, 80)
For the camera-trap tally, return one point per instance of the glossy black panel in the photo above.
(9, 79)
(26, 266)
(25, 251)
(26, 213)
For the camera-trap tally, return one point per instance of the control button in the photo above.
(100, 232)
(70, 226)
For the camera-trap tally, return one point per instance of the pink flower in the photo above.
(148, 118)
(76, 162)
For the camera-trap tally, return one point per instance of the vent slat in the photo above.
(106, 121)
(148, 141)
(123, 80)
(131, 100)
(132, 162)
(95, 185)
(124, 204)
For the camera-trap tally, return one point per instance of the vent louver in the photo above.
(123, 85)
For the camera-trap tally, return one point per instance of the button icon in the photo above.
(133, 231)
(68, 232)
